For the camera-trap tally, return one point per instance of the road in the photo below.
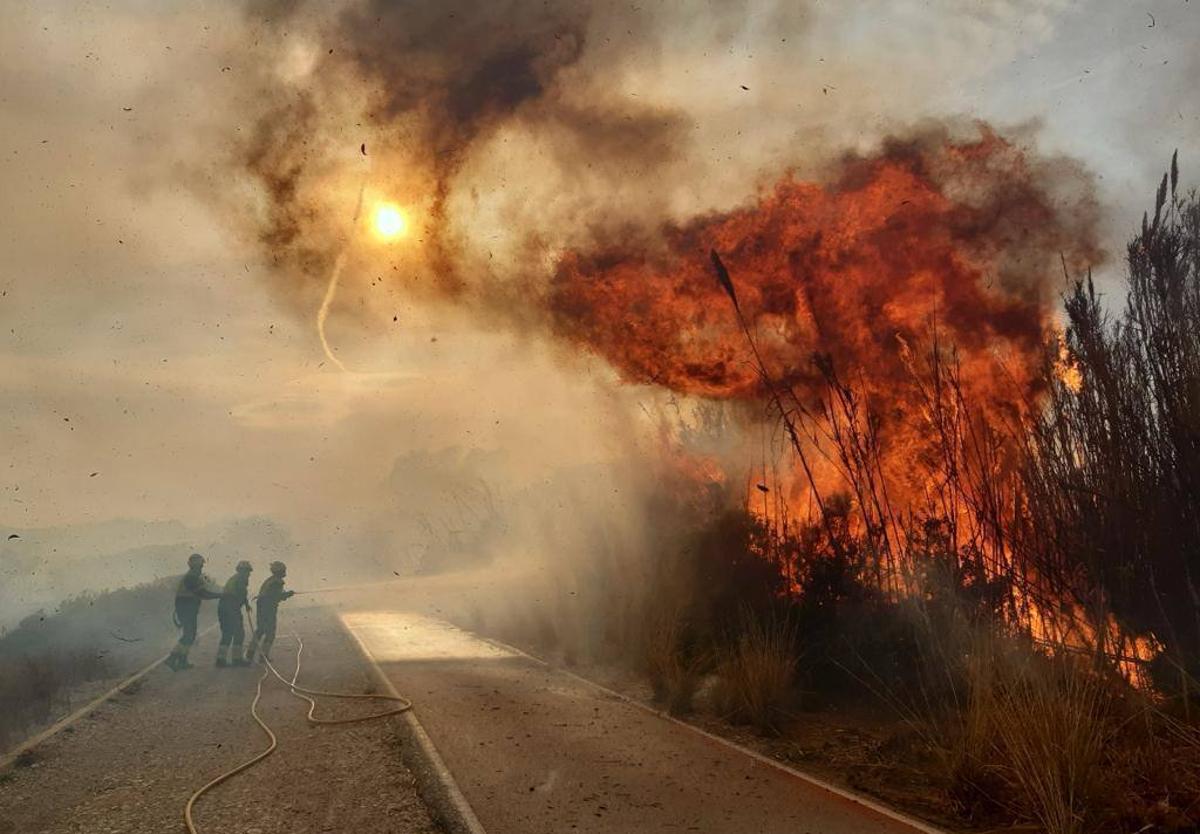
(130, 766)
(535, 750)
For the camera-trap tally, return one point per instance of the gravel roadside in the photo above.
(131, 765)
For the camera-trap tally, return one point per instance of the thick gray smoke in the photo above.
(511, 132)
(181, 178)
(417, 91)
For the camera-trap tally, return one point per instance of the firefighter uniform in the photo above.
(193, 588)
(267, 609)
(234, 598)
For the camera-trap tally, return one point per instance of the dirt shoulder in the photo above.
(131, 765)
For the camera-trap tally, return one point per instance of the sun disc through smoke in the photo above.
(389, 221)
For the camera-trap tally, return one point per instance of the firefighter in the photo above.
(234, 598)
(269, 596)
(193, 588)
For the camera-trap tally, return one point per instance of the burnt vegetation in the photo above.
(53, 662)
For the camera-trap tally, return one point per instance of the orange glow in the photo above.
(931, 248)
(1067, 369)
(956, 240)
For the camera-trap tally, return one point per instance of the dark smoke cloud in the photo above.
(429, 81)
(436, 91)
(469, 64)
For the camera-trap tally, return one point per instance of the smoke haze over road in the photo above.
(180, 181)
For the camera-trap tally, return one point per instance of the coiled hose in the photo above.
(304, 694)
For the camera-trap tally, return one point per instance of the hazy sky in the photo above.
(150, 369)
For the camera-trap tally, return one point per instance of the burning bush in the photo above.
(992, 525)
(1112, 483)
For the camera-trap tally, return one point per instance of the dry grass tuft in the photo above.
(672, 665)
(1034, 739)
(756, 675)
(1052, 728)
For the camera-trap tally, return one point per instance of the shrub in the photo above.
(1052, 725)
(1111, 478)
(1035, 738)
(48, 656)
(756, 674)
(673, 662)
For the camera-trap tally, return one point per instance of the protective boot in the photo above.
(239, 658)
(223, 655)
(177, 657)
(181, 661)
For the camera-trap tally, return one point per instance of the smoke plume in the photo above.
(851, 252)
(938, 223)
(395, 97)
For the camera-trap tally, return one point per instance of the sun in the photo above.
(389, 221)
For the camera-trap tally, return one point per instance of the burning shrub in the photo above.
(1113, 476)
(998, 573)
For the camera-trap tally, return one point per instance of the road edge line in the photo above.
(436, 783)
(816, 781)
(7, 760)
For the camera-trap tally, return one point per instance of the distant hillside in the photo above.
(41, 567)
(48, 661)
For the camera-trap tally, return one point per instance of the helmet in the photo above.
(244, 567)
(195, 561)
(278, 568)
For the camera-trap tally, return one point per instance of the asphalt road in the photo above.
(130, 766)
(536, 750)
(533, 749)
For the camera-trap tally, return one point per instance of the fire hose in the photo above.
(309, 695)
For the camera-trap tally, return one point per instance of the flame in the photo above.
(953, 246)
(957, 239)
(895, 245)
(1066, 369)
